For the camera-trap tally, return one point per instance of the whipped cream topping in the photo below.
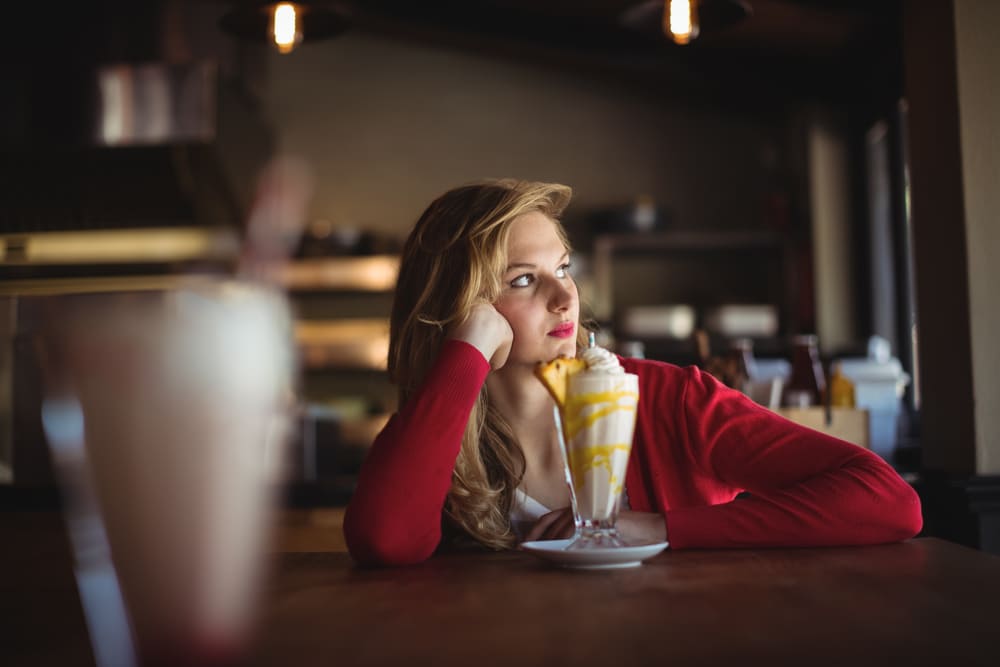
(600, 360)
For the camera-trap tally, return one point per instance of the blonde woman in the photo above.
(484, 293)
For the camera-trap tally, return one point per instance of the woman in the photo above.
(484, 293)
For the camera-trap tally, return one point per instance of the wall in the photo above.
(978, 61)
(830, 197)
(389, 125)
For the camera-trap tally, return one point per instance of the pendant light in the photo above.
(285, 25)
(680, 20)
(684, 20)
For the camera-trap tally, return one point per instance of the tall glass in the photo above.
(166, 412)
(596, 425)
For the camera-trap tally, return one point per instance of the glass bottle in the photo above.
(741, 363)
(807, 384)
(841, 388)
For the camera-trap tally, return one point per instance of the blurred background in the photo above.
(800, 167)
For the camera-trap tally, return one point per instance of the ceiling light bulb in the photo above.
(680, 20)
(285, 27)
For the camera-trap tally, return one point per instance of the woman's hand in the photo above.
(488, 331)
(634, 527)
(556, 525)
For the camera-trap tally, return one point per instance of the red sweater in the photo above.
(697, 445)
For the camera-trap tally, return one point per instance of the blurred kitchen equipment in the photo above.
(742, 320)
(767, 381)
(633, 349)
(669, 321)
(640, 215)
(879, 383)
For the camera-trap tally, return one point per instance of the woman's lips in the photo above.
(563, 330)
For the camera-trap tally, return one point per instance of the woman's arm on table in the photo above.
(394, 516)
(806, 488)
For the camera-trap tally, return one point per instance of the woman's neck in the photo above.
(519, 396)
(527, 406)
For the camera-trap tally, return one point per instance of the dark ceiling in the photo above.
(833, 50)
(836, 51)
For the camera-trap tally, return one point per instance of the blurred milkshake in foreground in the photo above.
(181, 402)
(598, 420)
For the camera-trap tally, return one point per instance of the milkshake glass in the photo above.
(597, 424)
(167, 412)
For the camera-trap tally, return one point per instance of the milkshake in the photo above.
(596, 409)
(179, 403)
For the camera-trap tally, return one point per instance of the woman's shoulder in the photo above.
(651, 369)
(660, 378)
(670, 380)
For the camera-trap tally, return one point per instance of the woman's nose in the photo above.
(561, 295)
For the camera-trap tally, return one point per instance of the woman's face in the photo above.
(539, 297)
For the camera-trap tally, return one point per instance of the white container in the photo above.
(749, 320)
(878, 387)
(669, 321)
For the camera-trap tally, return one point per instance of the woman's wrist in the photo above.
(484, 348)
(643, 526)
(487, 331)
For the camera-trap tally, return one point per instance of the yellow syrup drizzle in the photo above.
(585, 459)
(607, 402)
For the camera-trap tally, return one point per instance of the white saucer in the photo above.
(555, 552)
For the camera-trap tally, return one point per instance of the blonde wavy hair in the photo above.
(453, 260)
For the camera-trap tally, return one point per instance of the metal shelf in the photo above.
(343, 343)
(673, 244)
(373, 273)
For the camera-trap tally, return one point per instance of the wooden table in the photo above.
(923, 602)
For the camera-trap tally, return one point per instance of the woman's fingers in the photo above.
(488, 331)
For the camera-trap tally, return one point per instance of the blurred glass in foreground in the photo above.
(167, 413)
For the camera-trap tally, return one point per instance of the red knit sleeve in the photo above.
(805, 488)
(394, 516)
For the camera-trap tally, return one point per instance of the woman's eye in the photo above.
(563, 270)
(522, 281)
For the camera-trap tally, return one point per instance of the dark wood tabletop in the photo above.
(921, 602)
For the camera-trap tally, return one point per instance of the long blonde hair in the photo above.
(453, 260)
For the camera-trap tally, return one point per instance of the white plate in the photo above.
(555, 552)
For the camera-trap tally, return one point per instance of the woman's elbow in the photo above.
(911, 518)
(902, 516)
(381, 552)
(377, 546)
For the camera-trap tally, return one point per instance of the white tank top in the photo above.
(524, 513)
